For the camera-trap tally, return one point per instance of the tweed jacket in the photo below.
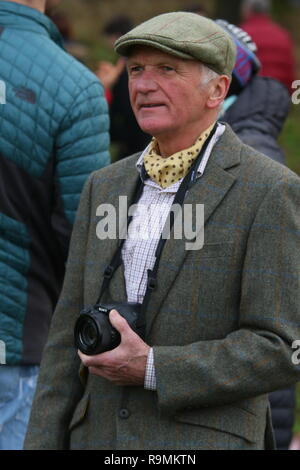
(222, 319)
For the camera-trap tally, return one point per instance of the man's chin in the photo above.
(154, 129)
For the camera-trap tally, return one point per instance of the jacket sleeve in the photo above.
(257, 357)
(59, 388)
(82, 146)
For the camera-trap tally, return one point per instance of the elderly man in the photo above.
(221, 320)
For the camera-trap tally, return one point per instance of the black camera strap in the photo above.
(116, 261)
(117, 257)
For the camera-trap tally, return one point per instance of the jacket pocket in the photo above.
(229, 419)
(80, 411)
(210, 252)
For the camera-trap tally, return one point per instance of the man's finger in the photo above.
(86, 360)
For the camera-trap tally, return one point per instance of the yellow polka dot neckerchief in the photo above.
(167, 171)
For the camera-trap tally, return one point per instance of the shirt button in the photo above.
(124, 413)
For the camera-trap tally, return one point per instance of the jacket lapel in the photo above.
(123, 184)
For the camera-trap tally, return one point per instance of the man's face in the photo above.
(166, 94)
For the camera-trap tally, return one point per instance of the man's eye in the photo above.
(167, 68)
(135, 69)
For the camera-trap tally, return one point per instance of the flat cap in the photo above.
(185, 35)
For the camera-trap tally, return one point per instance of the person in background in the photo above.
(63, 24)
(275, 46)
(256, 109)
(124, 130)
(65, 27)
(53, 134)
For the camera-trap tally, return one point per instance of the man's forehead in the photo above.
(141, 53)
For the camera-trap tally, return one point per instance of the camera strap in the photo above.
(116, 261)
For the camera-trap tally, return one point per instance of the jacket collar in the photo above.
(29, 19)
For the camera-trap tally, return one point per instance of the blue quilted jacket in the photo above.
(53, 134)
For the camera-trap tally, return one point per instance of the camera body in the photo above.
(93, 332)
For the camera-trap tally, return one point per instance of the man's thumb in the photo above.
(117, 321)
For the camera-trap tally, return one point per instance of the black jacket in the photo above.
(283, 405)
(258, 116)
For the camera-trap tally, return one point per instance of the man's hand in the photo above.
(124, 365)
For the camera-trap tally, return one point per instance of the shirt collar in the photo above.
(143, 174)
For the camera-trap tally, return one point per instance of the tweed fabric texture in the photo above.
(221, 321)
(185, 35)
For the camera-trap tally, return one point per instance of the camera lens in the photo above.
(89, 334)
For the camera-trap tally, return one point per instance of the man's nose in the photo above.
(146, 82)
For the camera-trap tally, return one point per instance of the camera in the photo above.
(93, 332)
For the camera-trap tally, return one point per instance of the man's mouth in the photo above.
(148, 106)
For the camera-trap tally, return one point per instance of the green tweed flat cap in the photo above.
(185, 35)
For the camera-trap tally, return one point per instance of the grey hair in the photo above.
(258, 6)
(207, 74)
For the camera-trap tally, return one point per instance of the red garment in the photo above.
(275, 48)
(109, 96)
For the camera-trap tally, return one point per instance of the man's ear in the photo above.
(218, 91)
